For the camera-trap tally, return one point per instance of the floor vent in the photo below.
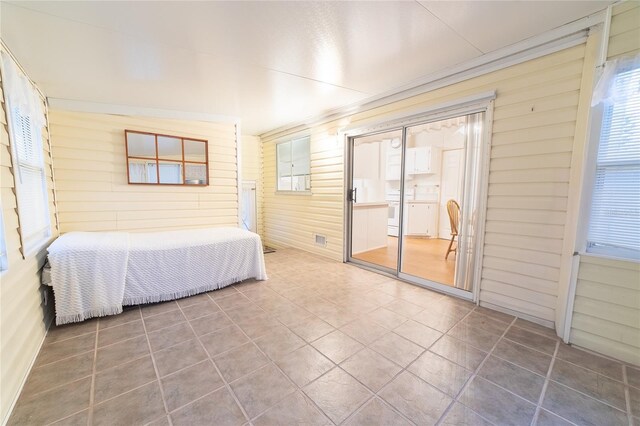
(321, 240)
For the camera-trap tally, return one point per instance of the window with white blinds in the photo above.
(614, 226)
(31, 181)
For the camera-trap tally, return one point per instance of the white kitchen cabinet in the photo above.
(369, 227)
(359, 231)
(423, 160)
(422, 219)
(366, 161)
(393, 164)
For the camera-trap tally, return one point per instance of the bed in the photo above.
(97, 273)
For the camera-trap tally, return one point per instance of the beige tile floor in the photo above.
(320, 343)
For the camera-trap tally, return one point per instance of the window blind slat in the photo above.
(614, 227)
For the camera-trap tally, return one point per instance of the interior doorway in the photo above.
(413, 196)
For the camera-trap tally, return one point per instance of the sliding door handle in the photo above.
(353, 195)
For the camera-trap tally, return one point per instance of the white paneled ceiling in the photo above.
(268, 63)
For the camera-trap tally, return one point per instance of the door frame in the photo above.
(349, 157)
(479, 103)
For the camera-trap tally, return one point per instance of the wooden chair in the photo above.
(454, 219)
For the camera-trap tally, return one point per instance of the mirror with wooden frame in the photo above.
(155, 159)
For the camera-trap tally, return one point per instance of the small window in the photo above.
(294, 165)
(614, 226)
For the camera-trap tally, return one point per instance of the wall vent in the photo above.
(321, 240)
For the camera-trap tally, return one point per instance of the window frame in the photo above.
(157, 159)
(597, 118)
(291, 191)
(34, 242)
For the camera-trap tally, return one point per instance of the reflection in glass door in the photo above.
(375, 199)
(440, 199)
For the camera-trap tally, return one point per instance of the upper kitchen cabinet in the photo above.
(423, 160)
(394, 161)
(366, 163)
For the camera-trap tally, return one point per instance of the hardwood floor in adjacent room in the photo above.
(423, 257)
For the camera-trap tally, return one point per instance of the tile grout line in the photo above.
(198, 398)
(64, 359)
(547, 378)
(562, 384)
(474, 373)
(155, 368)
(402, 369)
(93, 375)
(307, 343)
(627, 394)
(406, 369)
(127, 391)
(374, 394)
(273, 363)
(210, 358)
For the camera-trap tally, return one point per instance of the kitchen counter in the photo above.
(373, 204)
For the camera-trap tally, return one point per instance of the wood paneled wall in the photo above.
(91, 176)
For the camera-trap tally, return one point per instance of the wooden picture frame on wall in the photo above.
(159, 159)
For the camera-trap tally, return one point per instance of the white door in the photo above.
(450, 187)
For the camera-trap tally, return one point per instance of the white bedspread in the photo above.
(174, 264)
(96, 273)
(88, 272)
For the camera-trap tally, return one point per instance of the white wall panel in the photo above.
(533, 130)
(606, 316)
(23, 317)
(91, 176)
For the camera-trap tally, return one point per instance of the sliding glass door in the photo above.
(440, 201)
(414, 197)
(375, 198)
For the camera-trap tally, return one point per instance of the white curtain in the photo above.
(21, 92)
(606, 91)
(137, 172)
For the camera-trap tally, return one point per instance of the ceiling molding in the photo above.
(475, 102)
(100, 108)
(561, 38)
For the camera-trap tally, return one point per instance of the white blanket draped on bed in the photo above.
(96, 273)
(174, 264)
(88, 272)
